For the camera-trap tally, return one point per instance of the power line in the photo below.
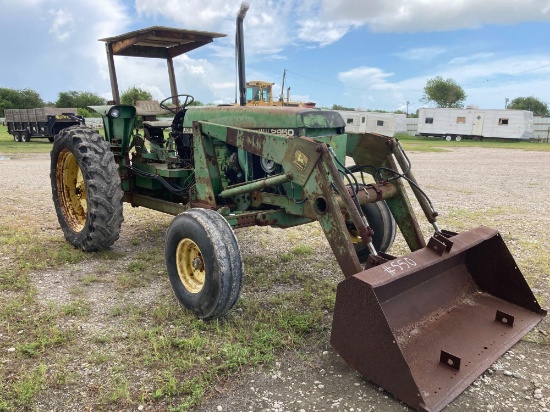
(413, 90)
(508, 75)
(339, 86)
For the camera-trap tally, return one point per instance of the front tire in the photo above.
(383, 224)
(86, 189)
(204, 262)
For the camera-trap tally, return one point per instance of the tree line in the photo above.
(441, 92)
(446, 93)
(30, 99)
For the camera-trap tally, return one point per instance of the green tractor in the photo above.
(415, 325)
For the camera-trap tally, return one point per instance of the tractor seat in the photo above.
(149, 108)
(162, 124)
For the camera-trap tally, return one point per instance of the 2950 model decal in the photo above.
(286, 132)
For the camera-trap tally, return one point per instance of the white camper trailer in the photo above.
(387, 124)
(475, 123)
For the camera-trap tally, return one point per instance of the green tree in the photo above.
(338, 107)
(19, 99)
(134, 93)
(444, 93)
(79, 99)
(87, 112)
(530, 103)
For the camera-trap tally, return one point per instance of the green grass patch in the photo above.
(424, 144)
(28, 386)
(145, 266)
(34, 331)
(9, 146)
(35, 249)
(77, 308)
(37, 144)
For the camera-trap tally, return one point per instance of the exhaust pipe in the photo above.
(239, 49)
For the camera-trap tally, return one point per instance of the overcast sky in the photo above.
(371, 54)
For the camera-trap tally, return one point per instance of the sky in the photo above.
(365, 54)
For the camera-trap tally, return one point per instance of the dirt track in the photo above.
(506, 189)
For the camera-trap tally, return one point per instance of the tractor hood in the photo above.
(277, 120)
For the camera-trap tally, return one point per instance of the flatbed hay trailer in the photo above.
(24, 124)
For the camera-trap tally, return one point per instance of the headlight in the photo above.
(114, 113)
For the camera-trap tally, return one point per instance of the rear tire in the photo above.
(204, 262)
(25, 136)
(382, 223)
(86, 189)
(17, 136)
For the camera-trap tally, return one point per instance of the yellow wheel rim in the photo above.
(71, 190)
(354, 234)
(190, 264)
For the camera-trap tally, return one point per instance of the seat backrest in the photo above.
(149, 108)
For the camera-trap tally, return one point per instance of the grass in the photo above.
(164, 355)
(424, 144)
(42, 145)
(9, 146)
(36, 145)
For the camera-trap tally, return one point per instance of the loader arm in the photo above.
(307, 163)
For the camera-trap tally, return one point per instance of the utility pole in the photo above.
(506, 100)
(407, 115)
(281, 97)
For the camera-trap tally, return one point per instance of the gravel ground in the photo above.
(467, 179)
(509, 186)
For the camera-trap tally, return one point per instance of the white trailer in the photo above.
(387, 124)
(475, 123)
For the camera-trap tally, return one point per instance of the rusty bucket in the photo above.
(426, 325)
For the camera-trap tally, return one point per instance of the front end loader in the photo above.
(423, 326)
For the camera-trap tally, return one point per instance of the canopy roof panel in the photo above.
(159, 42)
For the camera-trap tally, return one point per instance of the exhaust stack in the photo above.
(239, 49)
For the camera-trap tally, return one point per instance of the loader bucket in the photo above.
(426, 325)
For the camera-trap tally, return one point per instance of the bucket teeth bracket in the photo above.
(379, 259)
(439, 243)
(450, 360)
(505, 318)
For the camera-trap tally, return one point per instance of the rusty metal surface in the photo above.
(318, 189)
(148, 202)
(207, 172)
(374, 192)
(365, 232)
(396, 322)
(159, 42)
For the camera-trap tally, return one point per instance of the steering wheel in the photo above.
(174, 109)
